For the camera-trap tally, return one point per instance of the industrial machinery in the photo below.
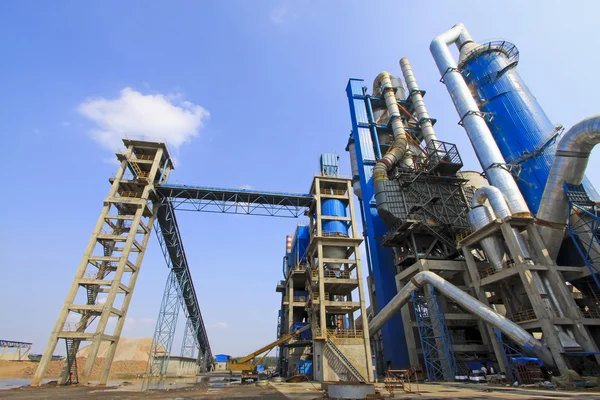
(248, 368)
(440, 243)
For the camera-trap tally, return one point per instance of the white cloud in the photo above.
(151, 116)
(220, 325)
(279, 14)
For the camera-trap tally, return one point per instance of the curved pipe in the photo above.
(496, 199)
(571, 160)
(475, 307)
(399, 145)
(418, 104)
(485, 147)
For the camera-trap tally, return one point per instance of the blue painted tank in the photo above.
(520, 127)
(335, 208)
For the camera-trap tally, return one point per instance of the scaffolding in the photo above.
(436, 344)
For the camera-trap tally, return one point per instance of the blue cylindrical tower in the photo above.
(334, 208)
(518, 123)
(521, 128)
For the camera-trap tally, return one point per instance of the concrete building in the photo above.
(221, 362)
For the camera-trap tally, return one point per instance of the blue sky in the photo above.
(249, 94)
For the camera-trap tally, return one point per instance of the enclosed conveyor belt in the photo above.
(519, 335)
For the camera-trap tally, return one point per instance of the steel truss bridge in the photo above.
(179, 289)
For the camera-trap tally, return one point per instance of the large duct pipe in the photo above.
(485, 147)
(572, 155)
(501, 210)
(399, 145)
(478, 217)
(418, 104)
(470, 304)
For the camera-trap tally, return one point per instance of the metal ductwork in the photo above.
(519, 335)
(399, 145)
(417, 100)
(472, 118)
(570, 163)
(398, 148)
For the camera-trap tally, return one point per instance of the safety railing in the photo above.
(299, 299)
(590, 313)
(463, 234)
(345, 333)
(336, 192)
(486, 272)
(337, 274)
(524, 315)
(144, 157)
(130, 194)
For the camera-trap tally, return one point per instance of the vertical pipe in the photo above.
(472, 119)
(417, 100)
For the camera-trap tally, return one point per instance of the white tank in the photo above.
(475, 179)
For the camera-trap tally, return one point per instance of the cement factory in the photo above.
(495, 268)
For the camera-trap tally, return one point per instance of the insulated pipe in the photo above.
(570, 162)
(496, 199)
(399, 145)
(417, 100)
(478, 217)
(485, 147)
(470, 304)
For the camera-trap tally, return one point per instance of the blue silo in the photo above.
(332, 207)
(520, 127)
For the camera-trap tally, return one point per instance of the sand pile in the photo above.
(27, 369)
(128, 349)
(130, 358)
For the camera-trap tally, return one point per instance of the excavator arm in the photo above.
(243, 363)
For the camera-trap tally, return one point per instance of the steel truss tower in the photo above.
(138, 199)
(111, 263)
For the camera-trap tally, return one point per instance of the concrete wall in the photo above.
(14, 354)
(182, 366)
(220, 366)
(328, 367)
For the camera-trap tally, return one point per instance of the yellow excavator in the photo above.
(248, 368)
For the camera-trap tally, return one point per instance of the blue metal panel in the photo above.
(222, 358)
(380, 259)
(518, 123)
(330, 164)
(305, 367)
(334, 208)
(299, 245)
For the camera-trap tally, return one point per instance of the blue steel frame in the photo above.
(380, 259)
(585, 230)
(440, 363)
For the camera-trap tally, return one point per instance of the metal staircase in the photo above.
(346, 361)
(72, 347)
(584, 227)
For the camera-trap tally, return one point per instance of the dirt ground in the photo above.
(294, 391)
(198, 391)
